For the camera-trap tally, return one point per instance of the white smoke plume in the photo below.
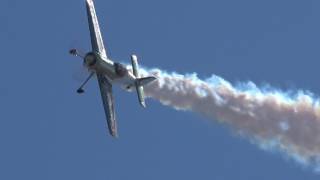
(274, 120)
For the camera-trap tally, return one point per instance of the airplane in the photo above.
(109, 72)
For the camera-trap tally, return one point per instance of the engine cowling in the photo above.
(90, 59)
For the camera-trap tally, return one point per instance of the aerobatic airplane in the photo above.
(109, 72)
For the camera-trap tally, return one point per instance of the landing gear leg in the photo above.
(80, 89)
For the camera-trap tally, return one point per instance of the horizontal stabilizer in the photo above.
(140, 93)
(135, 67)
(140, 82)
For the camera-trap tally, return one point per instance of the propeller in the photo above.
(83, 71)
(76, 52)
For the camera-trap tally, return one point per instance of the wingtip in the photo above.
(89, 1)
(114, 134)
(143, 104)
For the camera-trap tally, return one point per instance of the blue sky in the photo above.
(47, 131)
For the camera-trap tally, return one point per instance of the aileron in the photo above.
(108, 104)
(95, 33)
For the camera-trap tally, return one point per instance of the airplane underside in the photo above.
(109, 72)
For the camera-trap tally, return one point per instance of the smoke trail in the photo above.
(270, 118)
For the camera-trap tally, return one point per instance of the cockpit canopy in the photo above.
(120, 69)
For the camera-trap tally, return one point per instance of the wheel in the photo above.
(80, 91)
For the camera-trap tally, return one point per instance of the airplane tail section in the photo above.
(140, 93)
(140, 82)
(146, 80)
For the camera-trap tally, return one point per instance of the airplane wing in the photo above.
(95, 33)
(107, 100)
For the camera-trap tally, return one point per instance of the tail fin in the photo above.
(146, 80)
(140, 82)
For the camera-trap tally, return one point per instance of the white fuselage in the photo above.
(114, 72)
